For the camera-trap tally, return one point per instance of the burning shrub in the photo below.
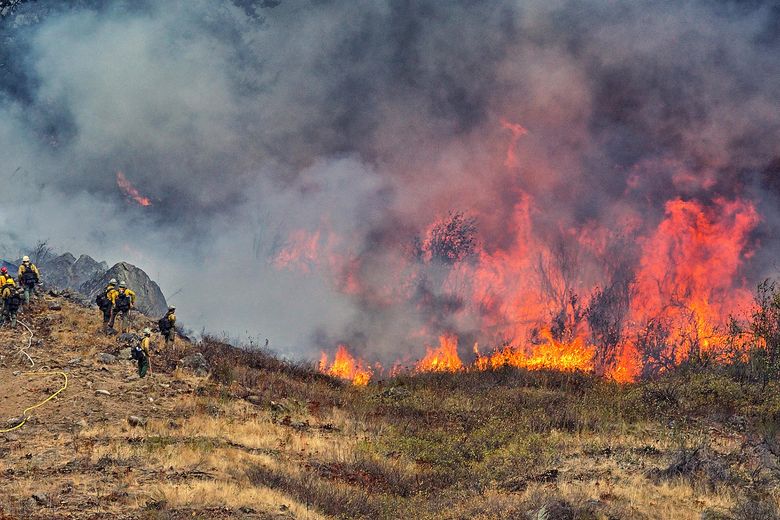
(656, 352)
(451, 240)
(755, 342)
(605, 314)
(765, 322)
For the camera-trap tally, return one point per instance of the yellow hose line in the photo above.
(33, 407)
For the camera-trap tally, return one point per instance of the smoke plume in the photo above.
(379, 173)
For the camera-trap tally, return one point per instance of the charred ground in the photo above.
(263, 438)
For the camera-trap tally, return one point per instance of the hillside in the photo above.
(260, 438)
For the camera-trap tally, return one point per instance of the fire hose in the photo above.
(25, 413)
(29, 342)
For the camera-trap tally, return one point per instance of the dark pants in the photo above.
(106, 316)
(123, 317)
(143, 364)
(9, 316)
(29, 290)
(169, 335)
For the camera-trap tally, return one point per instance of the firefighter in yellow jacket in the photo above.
(104, 300)
(168, 326)
(122, 301)
(12, 300)
(141, 353)
(28, 278)
(3, 277)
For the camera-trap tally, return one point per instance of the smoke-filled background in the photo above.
(381, 172)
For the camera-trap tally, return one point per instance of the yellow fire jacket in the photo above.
(113, 295)
(23, 269)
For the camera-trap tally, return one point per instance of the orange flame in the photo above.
(300, 253)
(130, 191)
(550, 354)
(346, 367)
(442, 359)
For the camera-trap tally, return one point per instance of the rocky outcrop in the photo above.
(149, 298)
(80, 279)
(66, 272)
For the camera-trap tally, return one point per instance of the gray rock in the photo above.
(106, 359)
(75, 361)
(396, 393)
(55, 307)
(149, 298)
(65, 273)
(279, 407)
(14, 421)
(128, 338)
(56, 271)
(11, 437)
(41, 499)
(136, 421)
(125, 353)
(82, 423)
(195, 363)
(102, 392)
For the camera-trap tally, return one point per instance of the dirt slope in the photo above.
(78, 457)
(261, 438)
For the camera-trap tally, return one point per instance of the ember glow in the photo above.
(130, 191)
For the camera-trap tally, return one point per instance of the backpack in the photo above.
(123, 301)
(13, 303)
(29, 277)
(102, 300)
(164, 324)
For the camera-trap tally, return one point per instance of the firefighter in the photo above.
(12, 300)
(104, 302)
(28, 278)
(3, 277)
(141, 353)
(122, 301)
(168, 326)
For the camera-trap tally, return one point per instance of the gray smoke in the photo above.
(246, 122)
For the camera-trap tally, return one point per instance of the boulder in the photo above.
(41, 499)
(149, 298)
(136, 421)
(106, 359)
(128, 338)
(195, 363)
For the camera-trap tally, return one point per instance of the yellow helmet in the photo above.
(10, 281)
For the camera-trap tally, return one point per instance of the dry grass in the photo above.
(231, 494)
(503, 444)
